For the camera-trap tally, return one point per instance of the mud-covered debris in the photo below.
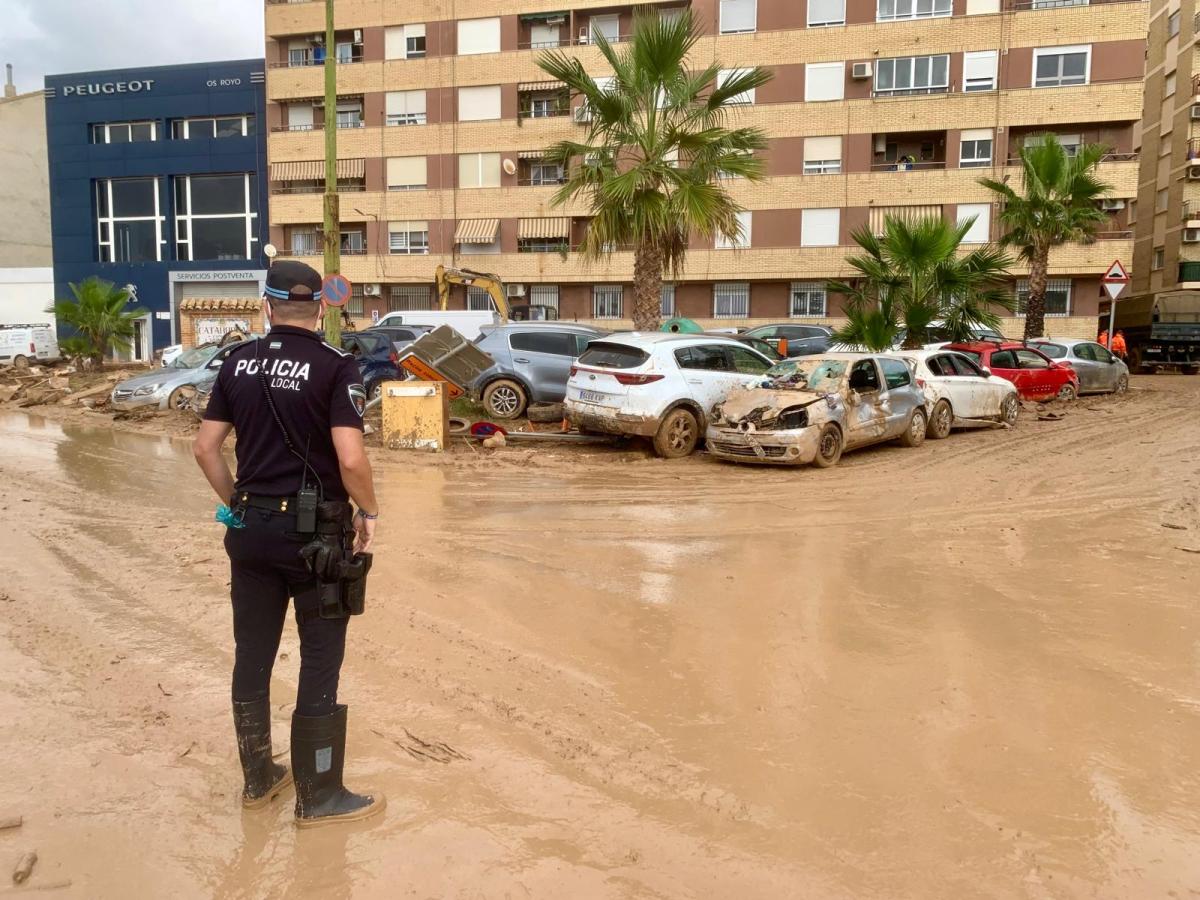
(1174, 527)
(8, 391)
(1189, 549)
(11, 822)
(495, 442)
(24, 867)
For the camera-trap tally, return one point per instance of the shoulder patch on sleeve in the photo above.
(358, 398)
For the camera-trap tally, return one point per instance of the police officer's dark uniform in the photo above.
(312, 387)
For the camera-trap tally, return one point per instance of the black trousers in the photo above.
(266, 571)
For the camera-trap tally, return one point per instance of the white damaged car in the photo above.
(959, 393)
(813, 408)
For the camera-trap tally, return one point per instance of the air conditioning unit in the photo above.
(514, 290)
(372, 290)
(556, 20)
(582, 114)
(1191, 235)
(1112, 205)
(1196, 111)
(861, 70)
(358, 35)
(1193, 172)
(317, 39)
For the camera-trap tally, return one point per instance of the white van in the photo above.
(466, 322)
(21, 345)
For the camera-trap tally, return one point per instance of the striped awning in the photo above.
(878, 216)
(531, 154)
(541, 86)
(477, 231)
(314, 170)
(544, 228)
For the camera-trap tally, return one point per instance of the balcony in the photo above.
(299, 52)
(1189, 274)
(310, 241)
(909, 151)
(1190, 214)
(543, 100)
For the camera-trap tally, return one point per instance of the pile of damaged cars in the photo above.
(682, 390)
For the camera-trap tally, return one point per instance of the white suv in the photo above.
(658, 385)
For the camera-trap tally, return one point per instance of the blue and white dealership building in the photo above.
(157, 181)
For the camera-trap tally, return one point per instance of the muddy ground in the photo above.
(966, 670)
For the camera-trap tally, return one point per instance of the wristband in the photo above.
(363, 514)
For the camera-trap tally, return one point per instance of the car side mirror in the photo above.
(987, 373)
(214, 363)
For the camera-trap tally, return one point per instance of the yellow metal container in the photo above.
(416, 415)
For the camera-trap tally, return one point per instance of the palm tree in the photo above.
(1058, 202)
(913, 275)
(99, 316)
(657, 152)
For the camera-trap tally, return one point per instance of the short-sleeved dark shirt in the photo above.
(315, 387)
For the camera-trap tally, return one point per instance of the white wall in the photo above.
(24, 296)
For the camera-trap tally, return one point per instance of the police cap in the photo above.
(291, 279)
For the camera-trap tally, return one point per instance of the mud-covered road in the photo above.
(966, 670)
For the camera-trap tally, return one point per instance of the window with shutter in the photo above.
(820, 227)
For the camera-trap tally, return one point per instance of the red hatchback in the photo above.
(1036, 375)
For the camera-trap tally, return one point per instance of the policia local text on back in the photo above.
(296, 405)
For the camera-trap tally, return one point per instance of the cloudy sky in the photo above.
(50, 37)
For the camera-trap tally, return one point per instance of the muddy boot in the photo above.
(318, 755)
(265, 779)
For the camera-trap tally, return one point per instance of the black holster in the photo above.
(341, 573)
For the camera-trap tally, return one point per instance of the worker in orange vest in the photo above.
(1103, 339)
(1118, 345)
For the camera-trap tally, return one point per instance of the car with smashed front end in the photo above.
(814, 408)
(172, 386)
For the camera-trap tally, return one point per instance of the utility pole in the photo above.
(333, 219)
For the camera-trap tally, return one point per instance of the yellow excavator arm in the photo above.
(490, 283)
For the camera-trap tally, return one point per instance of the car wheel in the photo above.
(1067, 392)
(914, 435)
(375, 391)
(20, 363)
(941, 421)
(505, 399)
(181, 397)
(677, 435)
(1010, 408)
(829, 447)
(1122, 385)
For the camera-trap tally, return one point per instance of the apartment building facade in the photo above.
(157, 184)
(877, 108)
(1167, 253)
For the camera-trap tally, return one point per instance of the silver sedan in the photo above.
(172, 386)
(1100, 372)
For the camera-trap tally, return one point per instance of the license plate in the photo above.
(592, 397)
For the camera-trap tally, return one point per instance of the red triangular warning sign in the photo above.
(1116, 272)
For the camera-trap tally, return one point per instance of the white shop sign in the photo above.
(209, 330)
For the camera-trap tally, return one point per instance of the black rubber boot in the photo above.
(265, 779)
(318, 755)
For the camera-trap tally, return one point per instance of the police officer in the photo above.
(297, 405)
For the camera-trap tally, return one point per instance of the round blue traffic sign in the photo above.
(336, 289)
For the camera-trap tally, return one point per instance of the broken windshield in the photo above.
(808, 374)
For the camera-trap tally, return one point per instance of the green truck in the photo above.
(1162, 331)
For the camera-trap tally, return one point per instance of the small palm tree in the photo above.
(99, 316)
(657, 151)
(913, 275)
(1058, 202)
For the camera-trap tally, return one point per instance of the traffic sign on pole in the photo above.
(1114, 289)
(336, 289)
(1116, 274)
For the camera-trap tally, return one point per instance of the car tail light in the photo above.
(32, 348)
(394, 358)
(634, 380)
(921, 382)
(574, 371)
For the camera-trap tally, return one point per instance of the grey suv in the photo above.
(533, 363)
